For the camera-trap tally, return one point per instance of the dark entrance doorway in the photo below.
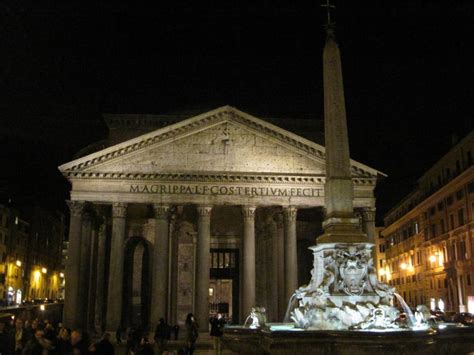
(136, 283)
(224, 284)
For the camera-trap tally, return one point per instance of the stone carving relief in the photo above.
(344, 291)
(218, 148)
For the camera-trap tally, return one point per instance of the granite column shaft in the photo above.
(291, 256)
(115, 289)
(159, 297)
(202, 267)
(71, 300)
(248, 260)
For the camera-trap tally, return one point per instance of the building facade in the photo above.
(214, 213)
(429, 236)
(30, 266)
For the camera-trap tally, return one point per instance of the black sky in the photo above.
(408, 73)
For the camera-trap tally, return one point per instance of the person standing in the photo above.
(4, 339)
(217, 323)
(38, 344)
(18, 337)
(191, 333)
(104, 346)
(162, 335)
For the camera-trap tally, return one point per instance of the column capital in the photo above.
(76, 207)
(290, 213)
(161, 211)
(119, 210)
(204, 210)
(367, 214)
(248, 212)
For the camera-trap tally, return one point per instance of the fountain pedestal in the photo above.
(344, 291)
(276, 341)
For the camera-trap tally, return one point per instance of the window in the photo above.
(440, 206)
(462, 249)
(468, 279)
(432, 211)
(418, 257)
(433, 230)
(448, 173)
(459, 195)
(451, 220)
(443, 229)
(470, 187)
(382, 248)
(453, 251)
(449, 200)
(445, 283)
(439, 283)
(461, 216)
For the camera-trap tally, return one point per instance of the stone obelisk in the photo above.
(340, 224)
(344, 292)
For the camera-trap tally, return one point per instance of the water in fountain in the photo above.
(246, 319)
(290, 308)
(406, 308)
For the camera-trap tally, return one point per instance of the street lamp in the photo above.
(44, 270)
(18, 263)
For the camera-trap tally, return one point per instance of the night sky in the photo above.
(407, 65)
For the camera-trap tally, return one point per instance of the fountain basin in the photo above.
(283, 338)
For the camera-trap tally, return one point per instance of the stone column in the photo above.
(159, 295)
(91, 309)
(291, 262)
(115, 291)
(201, 305)
(274, 267)
(71, 299)
(174, 270)
(280, 261)
(100, 280)
(85, 268)
(248, 260)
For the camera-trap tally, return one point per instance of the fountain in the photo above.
(344, 309)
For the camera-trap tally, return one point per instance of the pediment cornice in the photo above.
(81, 166)
(217, 178)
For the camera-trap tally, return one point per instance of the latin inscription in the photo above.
(172, 189)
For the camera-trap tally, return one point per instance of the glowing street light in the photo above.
(61, 275)
(403, 266)
(433, 258)
(18, 263)
(44, 270)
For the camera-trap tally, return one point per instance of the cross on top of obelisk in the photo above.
(330, 25)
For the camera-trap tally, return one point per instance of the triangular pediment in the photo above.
(224, 140)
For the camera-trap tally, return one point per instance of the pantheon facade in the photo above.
(212, 213)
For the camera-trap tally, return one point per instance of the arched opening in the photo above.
(137, 281)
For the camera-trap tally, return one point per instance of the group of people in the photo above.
(43, 337)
